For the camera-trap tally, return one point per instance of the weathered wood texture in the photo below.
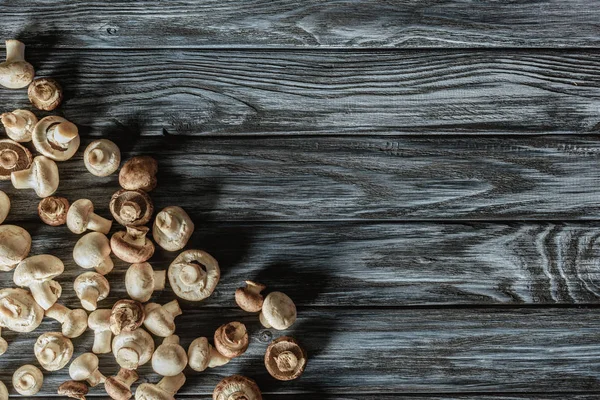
(308, 23)
(332, 93)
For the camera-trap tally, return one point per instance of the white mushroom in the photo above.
(15, 243)
(53, 351)
(19, 124)
(202, 355)
(160, 320)
(92, 250)
(28, 380)
(18, 310)
(102, 157)
(4, 206)
(132, 246)
(37, 274)
(91, 287)
(163, 390)
(237, 387)
(141, 281)
(193, 275)
(74, 322)
(56, 138)
(81, 217)
(15, 72)
(170, 358)
(278, 311)
(85, 368)
(172, 228)
(119, 387)
(99, 322)
(133, 349)
(3, 345)
(42, 177)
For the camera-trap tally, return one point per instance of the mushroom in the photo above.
(170, 358)
(18, 310)
(278, 311)
(81, 217)
(74, 322)
(237, 387)
(193, 275)
(119, 387)
(19, 124)
(56, 138)
(91, 287)
(53, 351)
(285, 359)
(160, 320)
(92, 250)
(45, 94)
(99, 322)
(102, 157)
(139, 173)
(202, 355)
(53, 210)
(4, 206)
(27, 380)
(133, 349)
(249, 298)
(163, 390)
(141, 281)
(15, 72)
(131, 207)
(3, 344)
(132, 246)
(37, 273)
(3, 391)
(231, 339)
(172, 228)
(126, 316)
(15, 243)
(13, 157)
(42, 177)
(85, 368)
(73, 389)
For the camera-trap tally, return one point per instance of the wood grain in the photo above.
(309, 23)
(221, 93)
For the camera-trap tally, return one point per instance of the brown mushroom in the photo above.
(119, 387)
(53, 210)
(237, 387)
(249, 298)
(19, 124)
(13, 157)
(73, 389)
(131, 207)
(285, 359)
(126, 316)
(231, 339)
(132, 246)
(139, 173)
(45, 94)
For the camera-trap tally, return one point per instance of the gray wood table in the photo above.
(421, 177)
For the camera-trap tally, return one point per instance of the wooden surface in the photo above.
(420, 177)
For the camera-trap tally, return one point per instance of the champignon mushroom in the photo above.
(237, 387)
(141, 281)
(102, 157)
(119, 387)
(160, 320)
(13, 158)
(249, 298)
(3, 391)
(131, 207)
(56, 138)
(85, 368)
(27, 380)
(81, 217)
(42, 177)
(45, 94)
(133, 349)
(15, 243)
(53, 351)
(194, 274)
(15, 72)
(163, 390)
(170, 358)
(92, 250)
(19, 124)
(4, 206)
(139, 173)
(37, 273)
(53, 210)
(285, 359)
(3, 345)
(73, 389)
(202, 355)
(91, 287)
(172, 228)
(74, 322)
(126, 316)
(231, 339)
(18, 310)
(99, 322)
(132, 246)
(278, 311)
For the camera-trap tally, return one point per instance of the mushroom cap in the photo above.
(28, 380)
(132, 246)
(44, 138)
(139, 173)
(53, 210)
(4, 206)
(278, 310)
(16, 131)
(45, 94)
(170, 358)
(141, 281)
(42, 177)
(99, 319)
(131, 207)
(148, 391)
(231, 339)
(78, 215)
(159, 320)
(172, 228)
(115, 386)
(91, 280)
(249, 298)
(18, 310)
(13, 157)
(75, 323)
(83, 366)
(133, 349)
(73, 389)
(15, 243)
(102, 157)
(199, 354)
(237, 387)
(126, 316)
(53, 351)
(3, 391)
(285, 359)
(92, 250)
(37, 269)
(194, 275)
(16, 73)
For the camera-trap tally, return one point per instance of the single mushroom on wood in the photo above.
(118, 387)
(133, 349)
(81, 217)
(15, 244)
(126, 316)
(15, 72)
(231, 339)
(131, 207)
(169, 359)
(194, 275)
(132, 246)
(37, 273)
(139, 173)
(91, 287)
(85, 368)
(45, 94)
(160, 320)
(172, 228)
(74, 322)
(92, 250)
(19, 124)
(202, 355)
(249, 298)
(41, 176)
(18, 310)
(56, 138)
(28, 380)
(237, 387)
(53, 351)
(99, 322)
(53, 210)
(73, 389)
(13, 157)
(278, 311)
(285, 359)
(102, 157)
(4, 206)
(141, 281)
(163, 390)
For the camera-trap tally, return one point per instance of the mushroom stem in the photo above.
(135, 236)
(102, 342)
(99, 224)
(57, 312)
(160, 278)
(172, 384)
(97, 156)
(130, 211)
(3, 344)
(174, 309)
(63, 133)
(191, 273)
(128, 377)
(95, 378)
(15, 51)
(89, 298)
(43, 294)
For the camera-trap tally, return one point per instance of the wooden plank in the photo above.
(308, 23)
(323, 93)
(392, 351)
